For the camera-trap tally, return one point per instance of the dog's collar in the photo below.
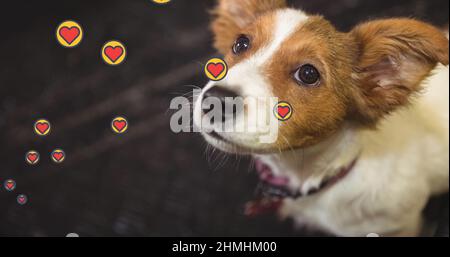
(275, 188)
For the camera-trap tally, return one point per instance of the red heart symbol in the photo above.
(32, 157)
(113, 53)
(58, 156)
(215, 69)
(119, 125)
(69, 34)
(9, 185)
(283, 111)
(21, 199)
(42, 127)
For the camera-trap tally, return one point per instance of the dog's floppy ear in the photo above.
(394, 57)
(230, 16)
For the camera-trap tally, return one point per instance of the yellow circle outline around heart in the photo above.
(114, 43)
(221, 75)
(32, 152)
(161, 1)
(58, 151)
(119, 119)
(69, 24)
(46, 132)
(10, 181)
(278, 116)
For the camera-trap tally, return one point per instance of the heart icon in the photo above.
(113, 53)
(10, 185)
(119, 125)
(283, 111)
(58, 156)
(42, 127)
(69, 34)
(215, 69)
(22, 199)
(32, 157)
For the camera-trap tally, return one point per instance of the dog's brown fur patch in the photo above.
(394, 57)
(232, 16)
(365, 74)
(318, 110)
(260, 33)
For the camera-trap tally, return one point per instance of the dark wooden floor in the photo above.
(149, 182)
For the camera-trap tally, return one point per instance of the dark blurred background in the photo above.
(150, 181)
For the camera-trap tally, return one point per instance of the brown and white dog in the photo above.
(368, 142)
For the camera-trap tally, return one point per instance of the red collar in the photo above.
(342, 173)
(275, 188)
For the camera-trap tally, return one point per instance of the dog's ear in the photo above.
(230, 16)
(394, 57)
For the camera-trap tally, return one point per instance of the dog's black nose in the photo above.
(222, 93)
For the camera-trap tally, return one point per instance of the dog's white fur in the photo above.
(400, 164)
(247, 80)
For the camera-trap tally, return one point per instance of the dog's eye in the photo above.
(241, 45)
(307, 75)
